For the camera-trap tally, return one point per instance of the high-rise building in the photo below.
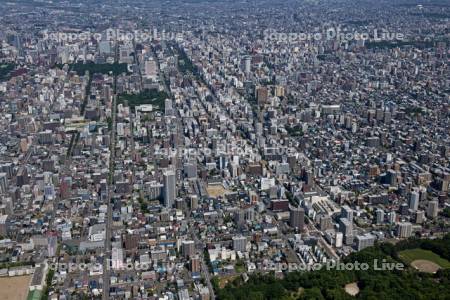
(380, 216)
(249, 214)
(195, 264)
(414, 201)
(188, 248)
(404, 229)
(420, 216)
(65, 187)
(49, 191)
(347, 229)
(117, 258)
(7, 168)
(247, 64)
(364, 241)
(180, 203)
(4, 225)
(240, 243)
(391, 177)
(190, 170)
(432, 209)
(325, 222)
(22, 176)
(297, 217)
(347, 212)
(168, 107)
(3, 183)
(392, 217)
(193, 202)
(52, 239)
(262, 95)
(170, 188)
(279, 91)
(239, 217)
(153, 190)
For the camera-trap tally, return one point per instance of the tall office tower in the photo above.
(180, 203)
(107, 93)
(250, 214)
(391, 177)
(420, 216)
(404, 229)
(239, 217)
(380, 216)
(195, 264)
(297, 217)
(247, 64)
(188, 248)
(22, 177)
(65, 187)
(325, 222)
(259, 128)
(262, 94)
(346, 228)
(117, 258)
(7, 168)
(279, 91)
(423, 194)
(391, 217)
(414, 201)
(240, 243)
(234, 169)
(347, 212)
(309, 177)
(190, 170)
(170, 188)
(432, 209)
(193, 202)
(3, 183)
(223, 162)
(168, 107)
(52, 239)
(339, 239)
(16, 41)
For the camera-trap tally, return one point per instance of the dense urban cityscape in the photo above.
(208, 149)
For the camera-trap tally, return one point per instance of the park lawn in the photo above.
(81, 68)
(154, 97)
(413, 254)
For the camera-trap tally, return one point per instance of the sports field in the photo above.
(424, 260)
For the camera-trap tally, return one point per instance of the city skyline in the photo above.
(224, 149)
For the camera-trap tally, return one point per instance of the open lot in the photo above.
(424, 260)
(223, 280)
(216, 190)
(14, 288)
